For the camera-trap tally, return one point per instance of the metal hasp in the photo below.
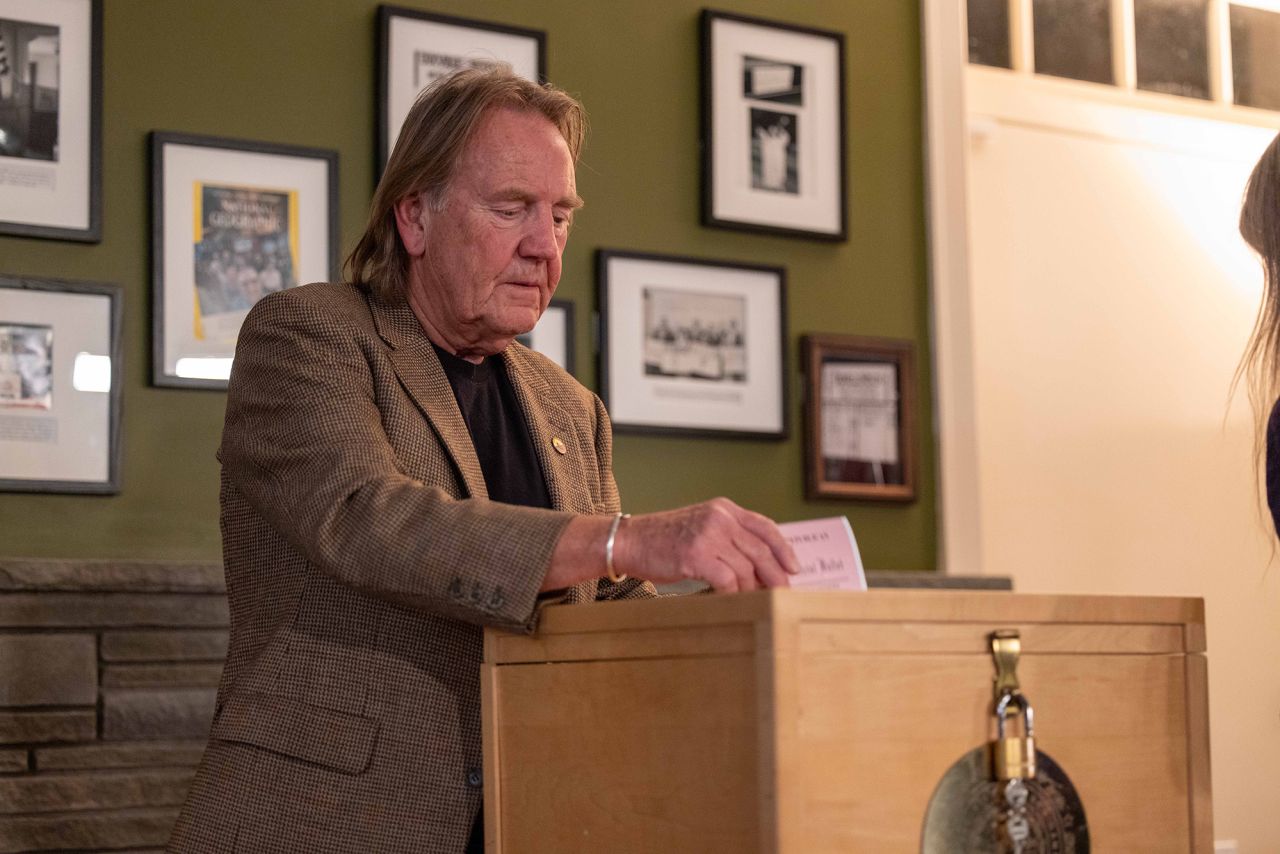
(1013, 756)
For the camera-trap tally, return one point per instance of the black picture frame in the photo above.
(51, 187)
(678, 346)
(491, 40)
(860, 417)
(553, 336)
(271, 176)
(773, 127)
(66, 438)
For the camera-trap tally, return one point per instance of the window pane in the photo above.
(1255, 57)
(1073, 39)
(1173, 46)
(989, 33)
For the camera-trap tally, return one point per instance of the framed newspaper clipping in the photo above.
(60, 384)
(860, 435)
(693, 347)
(51, 119)
(415, 48)
(553, 336)
(773, 127)
(231, 222)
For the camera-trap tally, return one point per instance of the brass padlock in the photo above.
(1013, 757)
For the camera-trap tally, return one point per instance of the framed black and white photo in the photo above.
(232, 221)
(861, 416)
(50, 119)
(553, 336)
(692, 346)
(59, 386)
(773, 152)
(415, 48)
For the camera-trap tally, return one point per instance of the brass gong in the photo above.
(1006, 797)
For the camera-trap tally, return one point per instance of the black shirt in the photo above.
(507, 458)
(498, 430)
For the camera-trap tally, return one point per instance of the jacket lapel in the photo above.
(418, 367)
(552, 431)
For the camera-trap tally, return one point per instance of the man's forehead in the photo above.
(519, 154)
(505, 128)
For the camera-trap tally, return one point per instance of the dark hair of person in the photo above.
(1260, 227)
(425, 158)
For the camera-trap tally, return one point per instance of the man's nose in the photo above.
(540, 238)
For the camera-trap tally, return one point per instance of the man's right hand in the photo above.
(715, 541)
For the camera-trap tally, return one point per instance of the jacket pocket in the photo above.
(298, 729)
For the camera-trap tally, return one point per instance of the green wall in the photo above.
(302, 71)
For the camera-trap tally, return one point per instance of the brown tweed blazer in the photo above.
(362, 558)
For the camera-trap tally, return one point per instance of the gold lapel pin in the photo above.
(558, 444)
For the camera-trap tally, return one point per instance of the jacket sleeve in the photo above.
(305, 445)
(632, 588)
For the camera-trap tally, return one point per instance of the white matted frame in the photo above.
(51, 119)
(232, 220)
(691, 346)
(553, 335)
(60, 381)
(415, 48)
(773, 127)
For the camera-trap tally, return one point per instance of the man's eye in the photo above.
(508, 213)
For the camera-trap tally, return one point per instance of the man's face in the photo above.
(488, 262)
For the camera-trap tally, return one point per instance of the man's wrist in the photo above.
(610, 570)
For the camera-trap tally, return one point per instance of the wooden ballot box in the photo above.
(787, 721)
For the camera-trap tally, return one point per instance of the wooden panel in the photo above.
(948, 606)
(626, 756)
(638, 643)
(878, 733)
(1037, 638)
(991, 607)
(1201, 806)
(650, 726)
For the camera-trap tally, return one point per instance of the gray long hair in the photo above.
(437, 130)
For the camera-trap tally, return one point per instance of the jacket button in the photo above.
(475, 779)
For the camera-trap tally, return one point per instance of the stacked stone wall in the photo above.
(108, 673)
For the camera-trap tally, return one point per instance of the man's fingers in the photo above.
(765, 566)
(764, 528)
(722, 578)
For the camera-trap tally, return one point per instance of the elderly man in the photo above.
(397, 474)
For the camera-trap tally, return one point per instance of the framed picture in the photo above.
(861, 417)
(59, 386)
(693, 347)
(415, 48)
(51, 119)
(553, 336)
(773, 154)
(231, 221)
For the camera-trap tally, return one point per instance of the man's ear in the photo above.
(411, 221)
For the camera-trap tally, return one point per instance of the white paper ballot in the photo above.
(828, 554)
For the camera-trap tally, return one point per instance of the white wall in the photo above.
(1109, 299)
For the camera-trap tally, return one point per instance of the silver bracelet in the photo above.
(608, 549)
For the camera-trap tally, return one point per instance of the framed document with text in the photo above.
(416, 48)
(861, 417)
(60, 384)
